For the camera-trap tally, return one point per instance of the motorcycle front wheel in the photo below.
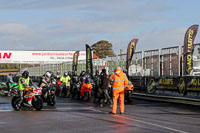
(15, 103)
(37, 103)
(52, 100)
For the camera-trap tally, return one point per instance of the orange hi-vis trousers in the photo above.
(119, 95)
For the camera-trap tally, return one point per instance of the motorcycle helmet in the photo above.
(65, 74)
(88, 70)
(58, 72)
(48, 75)
(69, 73)
(124, 70)
(97, 72)
(103, 70)
(82, 73)
(75, 73)
(11, 74)
(25, 74)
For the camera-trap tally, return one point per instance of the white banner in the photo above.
(38, 57)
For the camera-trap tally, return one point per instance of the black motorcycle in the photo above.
(48, 94)
(75, 92)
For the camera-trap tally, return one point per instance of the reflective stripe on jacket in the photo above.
(21, 85)
(120, 81)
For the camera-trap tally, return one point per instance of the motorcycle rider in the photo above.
(89, 75)
(69, 74)
(9, 81)
(75, 81)
(46, 79)
(58, 75)
(58, 83)
(82, 77)
(104, 88)
(65, 80)
(97, 83)
(24, 82)
(88, 80)
(45, 82)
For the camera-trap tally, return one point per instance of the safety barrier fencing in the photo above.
(156, 72)
(158, 62)
(173, 89)
(182, 86)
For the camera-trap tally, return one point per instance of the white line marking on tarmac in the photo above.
(144, 122)
(93, 109)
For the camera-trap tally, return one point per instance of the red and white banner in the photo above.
(38, 57)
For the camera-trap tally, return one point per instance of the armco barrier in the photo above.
(139, 84)
(169, 99)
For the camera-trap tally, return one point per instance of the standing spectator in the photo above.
(104, 87)
(9, 81)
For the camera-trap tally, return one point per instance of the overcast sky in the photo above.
(70, 24)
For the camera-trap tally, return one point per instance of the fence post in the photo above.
(170, 63)
(159, 62)
(151, 72)
(145, 65)
(142, 65)
(179, 66)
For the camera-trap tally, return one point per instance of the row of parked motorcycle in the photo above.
(80, 87)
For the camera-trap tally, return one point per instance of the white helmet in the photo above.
(48, 75)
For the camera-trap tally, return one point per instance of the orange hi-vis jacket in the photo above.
(120, 81)
(130, 86)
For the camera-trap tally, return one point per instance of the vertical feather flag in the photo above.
(130, 51)
(189, 48)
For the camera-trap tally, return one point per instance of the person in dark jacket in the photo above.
(96, 84)
(104, 88)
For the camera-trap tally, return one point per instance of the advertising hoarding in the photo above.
(38, 57)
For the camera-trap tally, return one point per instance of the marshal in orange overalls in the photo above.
(120, 81)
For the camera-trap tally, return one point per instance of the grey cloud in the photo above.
(111, 20)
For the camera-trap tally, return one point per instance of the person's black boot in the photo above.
(112, 113)
(111, 103)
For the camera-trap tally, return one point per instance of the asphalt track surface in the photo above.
(72, 116)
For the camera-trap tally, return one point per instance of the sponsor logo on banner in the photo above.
(38, 57)
(5, 55)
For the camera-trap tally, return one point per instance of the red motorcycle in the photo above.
(31, 98)
(58, 84)
(86, 90)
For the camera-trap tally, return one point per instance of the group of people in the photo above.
(74, 85)
(100, 86)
